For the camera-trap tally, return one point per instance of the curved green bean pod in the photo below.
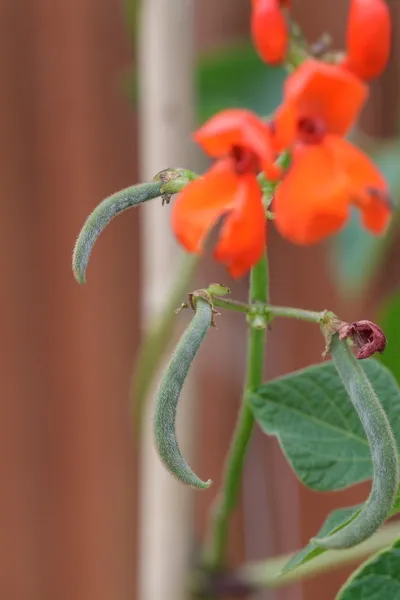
(101, 217)
(169, 392)
(383, 451)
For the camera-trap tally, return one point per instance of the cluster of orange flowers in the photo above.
(327, 174)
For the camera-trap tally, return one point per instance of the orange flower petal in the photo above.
(376, 215)
(368, 38)
(199, 206)
(311, 202)
(243, 234)
(319, 91)
(269, 31)
(238, 127)
(367, 187)
(284, 126)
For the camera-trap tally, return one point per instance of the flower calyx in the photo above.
(173, 181)
(215, 289)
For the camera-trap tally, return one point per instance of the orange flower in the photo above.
(241, 143)
(368, 38)
(327, 174)
(269, 30)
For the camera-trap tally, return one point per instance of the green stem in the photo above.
(295, 313)
(215, 550)
(268, 310)
(231, 304)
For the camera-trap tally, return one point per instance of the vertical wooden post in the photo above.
(166, 118)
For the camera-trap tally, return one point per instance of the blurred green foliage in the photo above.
(389, 320)
(235, 77)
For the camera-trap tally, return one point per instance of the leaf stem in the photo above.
(269, 311)
(235, 305)
(295, 313)
(226, 501)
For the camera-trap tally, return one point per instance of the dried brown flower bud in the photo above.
(367, 337)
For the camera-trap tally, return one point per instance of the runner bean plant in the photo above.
(338, 422)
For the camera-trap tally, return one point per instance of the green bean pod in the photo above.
(383, 452)
(169, 392)
(101, 217)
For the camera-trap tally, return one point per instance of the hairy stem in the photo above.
(215, 550)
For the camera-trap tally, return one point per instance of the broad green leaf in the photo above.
(377, 579)
(235, 77)
(390, 322)
(355, 253)
(318, 428)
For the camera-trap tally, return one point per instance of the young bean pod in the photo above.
(383, 452)
(101, 217)
(169, 392)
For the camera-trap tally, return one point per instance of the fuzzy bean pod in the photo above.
(101, 217)
(383, 452)
(169, 392)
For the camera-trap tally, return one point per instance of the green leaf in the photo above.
(389, 320)
(335, 521)
(377, 579)
(355, 253)
(318, 428)
(235, 77)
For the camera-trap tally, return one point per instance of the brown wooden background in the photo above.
(68, 498)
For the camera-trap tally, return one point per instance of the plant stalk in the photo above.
(216, 545)
(268, 310)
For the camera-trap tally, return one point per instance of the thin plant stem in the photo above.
(295, 313)
(235, 305)
(268, 310)
(226, 501)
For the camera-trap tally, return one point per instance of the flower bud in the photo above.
(269, 30)
(368, 38)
